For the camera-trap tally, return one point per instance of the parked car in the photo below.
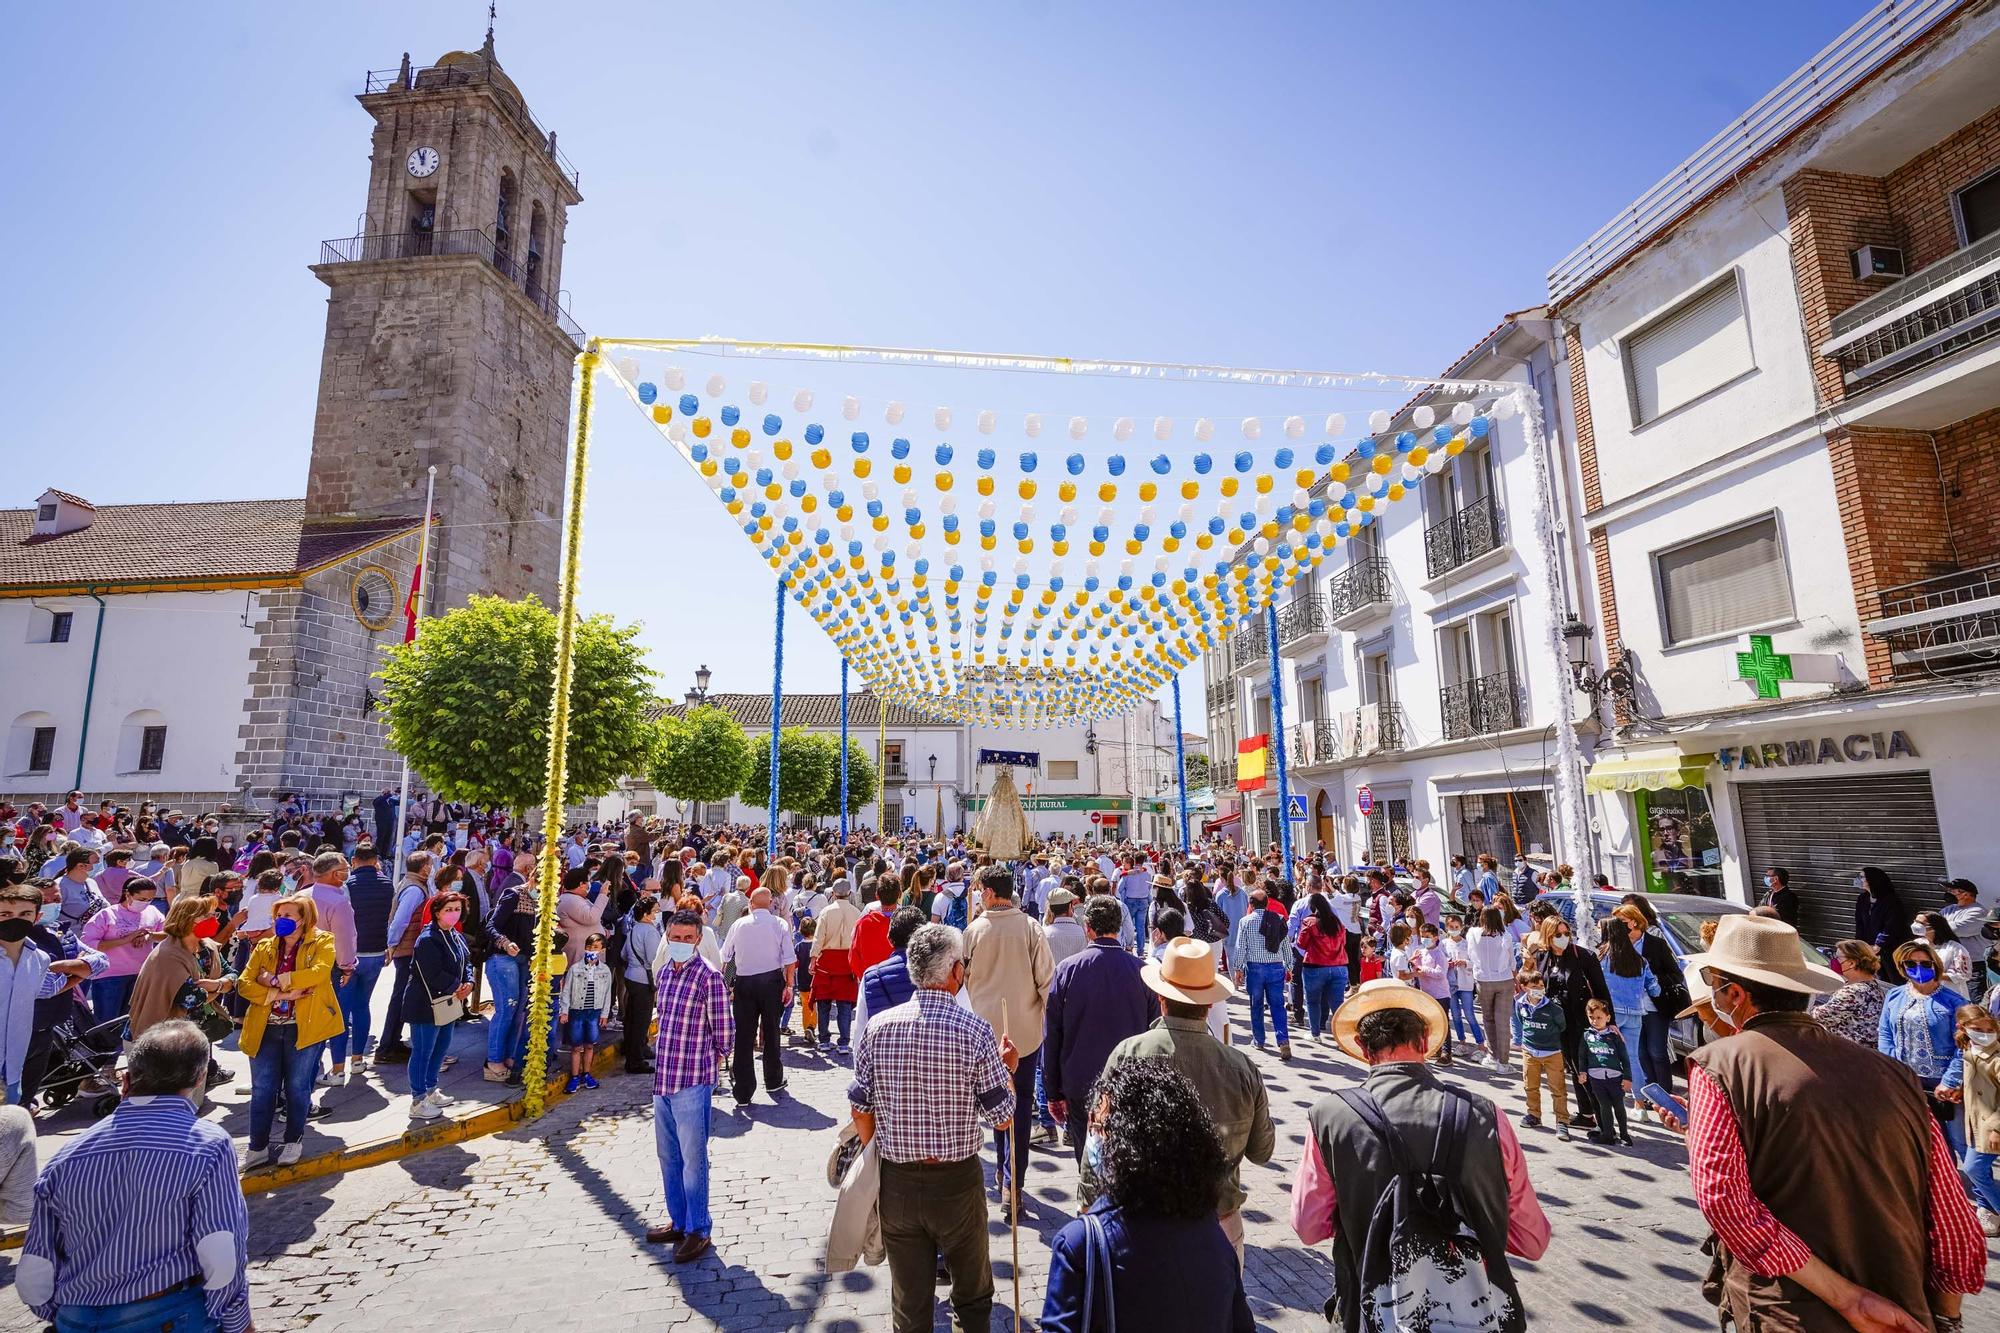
(1681, 917)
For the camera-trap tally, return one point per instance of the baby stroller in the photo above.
(83, 1059)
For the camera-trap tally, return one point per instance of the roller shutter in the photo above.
(1821, 830)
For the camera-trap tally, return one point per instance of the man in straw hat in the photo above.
(1784, 1117)
(1393, 1028)
(1187, 984)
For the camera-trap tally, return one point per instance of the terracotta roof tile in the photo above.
(753, 711)
(170, 543)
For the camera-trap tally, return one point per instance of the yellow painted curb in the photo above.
(486, 1120)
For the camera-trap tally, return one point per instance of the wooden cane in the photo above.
(1014, 1169)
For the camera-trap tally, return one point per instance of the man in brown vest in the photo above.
(1834, 1200)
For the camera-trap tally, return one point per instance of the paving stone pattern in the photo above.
(544, 1226)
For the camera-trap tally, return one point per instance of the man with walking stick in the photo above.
(929, 1079)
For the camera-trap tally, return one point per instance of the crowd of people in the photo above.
(1076, 995)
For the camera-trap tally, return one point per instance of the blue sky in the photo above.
(1329, 186)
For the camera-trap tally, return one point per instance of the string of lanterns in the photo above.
(899, 557)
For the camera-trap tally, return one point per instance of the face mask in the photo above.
(1920, 973)
(449, 920)
(206, 928)
(1093, 1153)
(285, 927)
(15, 929)
(680, 951)
(1860, 883)
(1978, 1038)
(593, 955)
(1535, 994)
(1918, 929)
(1559, 943)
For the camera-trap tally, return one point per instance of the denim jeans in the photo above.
(1011, 1144)
(1042, 1115)
(832, 1012)
(183, 1311)
(1266, 984)
(354, 999)
(111, 997)
(1140, 934)
(503, 978)
(1465, 1016)
(1632, 1028)
(1325, 987)
(429, 1043)
(680, 1137)
(1979, 1176)
(1655, 1059)
(280, 1061)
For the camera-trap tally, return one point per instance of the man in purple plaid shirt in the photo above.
(696, 1032)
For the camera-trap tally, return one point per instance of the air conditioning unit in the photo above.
(1878, 261)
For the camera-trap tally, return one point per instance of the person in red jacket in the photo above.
(871, 933)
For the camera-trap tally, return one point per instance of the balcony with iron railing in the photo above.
(1481, 706)
(1314, 744)
(1302, 626)
(1948, 625)
(470, 241)
(408, 78)
(1936, 312)
(1249, 652)
(1462, 538)
(1360, 592)
(893, 771)
(1221, 695)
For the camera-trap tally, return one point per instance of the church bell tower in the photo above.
(446, 344)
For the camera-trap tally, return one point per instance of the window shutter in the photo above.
(1698, 346)
(1730, 581)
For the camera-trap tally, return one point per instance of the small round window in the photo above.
(374, 598)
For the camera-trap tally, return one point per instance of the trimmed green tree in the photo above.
(703, 757)
(806, 762)
(861, 782)
(468, 703)
(1198, 770)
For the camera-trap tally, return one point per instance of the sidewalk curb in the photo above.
(440, 1133)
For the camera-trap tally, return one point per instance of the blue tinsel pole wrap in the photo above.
(777, 704)
(1180, 762)
(843, 752)
(1278, 741)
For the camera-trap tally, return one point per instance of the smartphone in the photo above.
(1660, 1097)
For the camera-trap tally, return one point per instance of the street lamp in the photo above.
(1617, 680)
(700, 690)
(937, 812)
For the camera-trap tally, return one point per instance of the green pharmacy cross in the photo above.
(1763, 667)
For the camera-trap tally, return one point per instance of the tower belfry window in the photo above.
(537, 226)
(503, 220)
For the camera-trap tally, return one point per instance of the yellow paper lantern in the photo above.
(1107, 492)
(862, 467)
(1338, 472)
(1067, 491)
(1026, 489)
(985, 486)
(1228, 487)
(1264, 483)
(942, 481)
(1148, 491)
(662, 414)
(1190, 489)
(1383, 463)
(700, 427)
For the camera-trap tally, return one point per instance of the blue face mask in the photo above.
(284, 926)
(1920, 972)
(680, 951)
(1093, 1153)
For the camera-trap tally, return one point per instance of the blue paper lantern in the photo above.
(1244, 461)
(1366, 448)
(1075, 464)
(1116, 465)
(987, 527)
(985, 459)
(1202, 464)
(1216, 526)
(899, 448)
(1405, 442)
(689, 404)
(913, 516)
(1282, 459)
(698, 452)
(1480, 427)
(1028, 460)
(764, 476)
(874, 509)
(836, 498)
(815, 433)
(772, 423)
(730, 416)
(732, 466)
(1100, 533)
(1324, 454)
(943, 455)
(1021, 582)
(797, 488)
(1020, 532)
(1058, 532)
(649, 392)
(1161, 465)
(1177, 529)
(1140, 532)
(757, 509)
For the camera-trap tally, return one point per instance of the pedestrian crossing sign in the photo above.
(1295, 810)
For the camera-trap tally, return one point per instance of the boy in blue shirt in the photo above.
(1542, 1022)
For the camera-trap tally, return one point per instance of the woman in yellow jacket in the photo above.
(287, 984)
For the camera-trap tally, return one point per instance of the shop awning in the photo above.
(1211, 825)
(1666, 771)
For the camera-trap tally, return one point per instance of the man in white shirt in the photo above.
(760, 946)
(1064, 931)
(1966, 914)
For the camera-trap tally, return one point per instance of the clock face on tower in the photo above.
(423, 161)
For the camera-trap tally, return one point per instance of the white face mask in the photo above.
(1980, 1038)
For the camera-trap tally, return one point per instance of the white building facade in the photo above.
(1788, 456)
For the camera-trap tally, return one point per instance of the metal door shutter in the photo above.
(1821, 830)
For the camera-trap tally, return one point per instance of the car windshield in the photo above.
(1684, 930)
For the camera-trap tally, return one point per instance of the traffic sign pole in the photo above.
(1278, 740)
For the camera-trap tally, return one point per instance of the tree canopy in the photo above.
(861, 781)
(468, 703)
(704, 756)
(807, 761)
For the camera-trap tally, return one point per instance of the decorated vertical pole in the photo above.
(1180, 762)
(535, 1075)
(843, 752)
(1278, 740)
(777, 705)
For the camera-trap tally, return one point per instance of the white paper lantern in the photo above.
(1378, 421)
(986, 509)
(1263, 505)
(987, 421)
(1301, 498)
(791, 469)
(1078, 427)
(1261, 546)
(1436, 463)
(1295, 427)
(1204, 429)
(1252, 428)
(674, 378)
(1027, 513)
(752, 461)
(1185, 513)
(1163, 428)
(894, 414)
(1032, 426)
(802, 401)
(1507, 408)
(1121, 430)
(847, 532)
(909, 499)
(1423, 417)
(985, 563)
(868, 491)
(1335, 423)
(942, 418)
(948, 504)
(850, 407)
(882, 542)
(1461, 413)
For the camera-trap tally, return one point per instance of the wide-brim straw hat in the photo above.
(1762, 949)
(1186, 972)
(1387, 993)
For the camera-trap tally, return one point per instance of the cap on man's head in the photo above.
(1960, 884)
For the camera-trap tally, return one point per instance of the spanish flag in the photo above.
(411, 607)
(1252, 757)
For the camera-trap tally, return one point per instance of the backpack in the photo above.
(1421, 1269)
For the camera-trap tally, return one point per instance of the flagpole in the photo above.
(423, 592)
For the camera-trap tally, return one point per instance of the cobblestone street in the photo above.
(545, 1227)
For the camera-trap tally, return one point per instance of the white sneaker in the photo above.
(1989, 1222)
(254, 1158)
(334, 1077)
(290, 1154)
(424, 1109)
(440, 1098)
